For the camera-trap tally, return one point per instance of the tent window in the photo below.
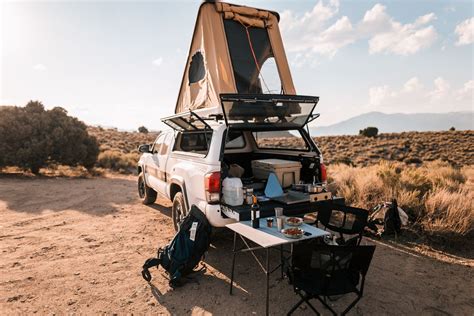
(197, 70)
(248, 78)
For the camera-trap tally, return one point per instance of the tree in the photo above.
(32, 137)
(143, 129)
(452, 129)
(369, 131)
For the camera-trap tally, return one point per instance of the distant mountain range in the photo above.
(398, 122)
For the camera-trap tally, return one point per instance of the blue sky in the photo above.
(120, 63)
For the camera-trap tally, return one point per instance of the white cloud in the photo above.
(314, 32)
(465, 32)
(157, 62)
(379, 95)
(390, 36)
(414, 96)
(466, 92)
(39, 67)
(441, 90)
(413, 84)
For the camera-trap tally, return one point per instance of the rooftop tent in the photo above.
(235, 49)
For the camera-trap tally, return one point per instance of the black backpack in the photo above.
(392, 222)
(385, 219)
(185, 251)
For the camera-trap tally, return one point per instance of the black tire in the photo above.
(178, 210)
(147, 194)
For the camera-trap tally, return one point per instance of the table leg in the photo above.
(233, 263)
(267, 272)
(281, 260)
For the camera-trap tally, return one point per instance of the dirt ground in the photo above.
(76, 246)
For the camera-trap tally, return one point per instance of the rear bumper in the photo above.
(213, 214)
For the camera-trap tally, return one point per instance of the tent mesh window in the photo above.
(197, 70)
(246, 72)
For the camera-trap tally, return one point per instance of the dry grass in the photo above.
(118, 150)
(438, 197)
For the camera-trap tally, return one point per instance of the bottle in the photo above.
(255, 213)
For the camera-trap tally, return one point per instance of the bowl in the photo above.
(293, 232)
(294, 221)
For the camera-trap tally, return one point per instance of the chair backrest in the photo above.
(343, 219)
(330, 258)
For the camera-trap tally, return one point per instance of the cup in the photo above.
(278, 211)
(280, 222)
(269, 222)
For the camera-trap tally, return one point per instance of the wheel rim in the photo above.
(178, 215)
(141, 188)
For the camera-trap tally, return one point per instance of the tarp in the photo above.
(229, 46)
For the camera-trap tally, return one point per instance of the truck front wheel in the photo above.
(147, 194)
(178, 210)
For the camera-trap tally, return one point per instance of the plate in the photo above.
(310, 218)
(293, 232)
(294, 221)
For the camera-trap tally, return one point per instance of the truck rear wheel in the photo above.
(147, 194)
(178, 210)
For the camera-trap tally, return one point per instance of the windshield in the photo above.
(267, 112)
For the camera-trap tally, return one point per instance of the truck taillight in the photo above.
(324, 175)
(212, 185)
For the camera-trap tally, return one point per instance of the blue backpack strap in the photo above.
(151, 262)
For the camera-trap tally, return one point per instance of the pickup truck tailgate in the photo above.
(267, 209)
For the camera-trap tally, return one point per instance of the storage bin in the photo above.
(287, 171)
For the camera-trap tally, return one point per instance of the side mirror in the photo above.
(144, 148)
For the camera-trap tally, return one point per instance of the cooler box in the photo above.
(287, 171)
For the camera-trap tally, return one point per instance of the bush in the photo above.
(32, 137)
(369, 132)
(118, 161)
(452, 129)
(143, 129)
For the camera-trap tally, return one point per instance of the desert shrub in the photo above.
(32, 137)
(118, 161)
(369, 131)
(143, 129)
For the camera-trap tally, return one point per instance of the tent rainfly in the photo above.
(235, 49)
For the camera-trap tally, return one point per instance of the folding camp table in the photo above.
(266, 238)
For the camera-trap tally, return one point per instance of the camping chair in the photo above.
(323, 271)
(344, 220)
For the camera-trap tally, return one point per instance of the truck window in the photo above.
(235, 140)
(195, 142)
(157, 145)
(165, 146)
(280, 140)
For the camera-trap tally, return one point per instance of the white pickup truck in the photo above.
(188, 163)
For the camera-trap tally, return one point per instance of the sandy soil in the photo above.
(77, 246)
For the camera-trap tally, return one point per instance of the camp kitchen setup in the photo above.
(276, 184)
